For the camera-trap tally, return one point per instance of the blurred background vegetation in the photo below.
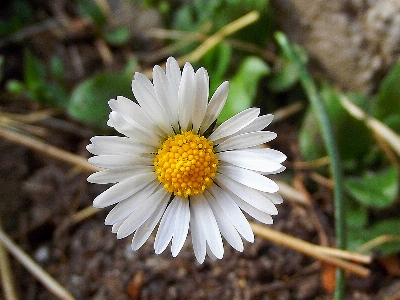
(73, 56)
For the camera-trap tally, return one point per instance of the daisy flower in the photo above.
(173, 169)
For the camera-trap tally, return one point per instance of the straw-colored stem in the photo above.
(381, 129)
(46, 149)
(6, 275)
(290, 193)
(318, 252)
(213, 40)
(40, 274)
(216, 38)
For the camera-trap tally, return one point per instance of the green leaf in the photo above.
(55, 95)
(284, 79)
(15, 87)
(57, 68)
(131, 67)
(216, 62)
(118, 36)
(353, 137)
(192, 15)
(89, 99)
(288, 74)
(36, 85)
(389, 228)
(356, 214)
(21, 15)
(35, 72)
(243, 86)
(92, 10)
(387, 102)
(377, 190)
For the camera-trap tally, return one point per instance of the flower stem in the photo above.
(331, 146)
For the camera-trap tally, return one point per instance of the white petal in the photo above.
(124, 208)
(145, 230)
(198, 237)
(119, 109)
(210, 253)
(167, 226)
(181, 228)
(252, 211)
(248, 161)
(245, 140)
(258, 124)
(142, 213)
(274, 197)
(123, 190)
(109, 145)
(251, 196)
(249, 178)
(233, 213)
(186, 97)
(151, 107)
(201, 96)
(136, 134)
(132, 111)
(116, 226)
(117, 174)
(224, 224)
(215, 106)
(165, 96)
(145, 82)
(209, 224)
(234, 124)
(265, 153)
(174, 77)
(115, 161)
(281, 169)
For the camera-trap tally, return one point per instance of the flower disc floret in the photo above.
(186, 164)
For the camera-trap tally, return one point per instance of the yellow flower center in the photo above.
(186, 164)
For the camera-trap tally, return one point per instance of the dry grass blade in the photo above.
(329, 256)
(287, 111)
(32, 117)
(387, 134)
(49, 282)
(219, 36)
(6, 275)
(314, 164)
(213, 40)
(292, 194)
(379, 240)
(47, 149)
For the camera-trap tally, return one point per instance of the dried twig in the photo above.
(6, 275)
(290, 193)
(288, 111)
(326, 254)
(47, 149)
(213, 40)
(216, 38)
(379, 240)
(306, 165)
(40, 274)
(378, 127)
